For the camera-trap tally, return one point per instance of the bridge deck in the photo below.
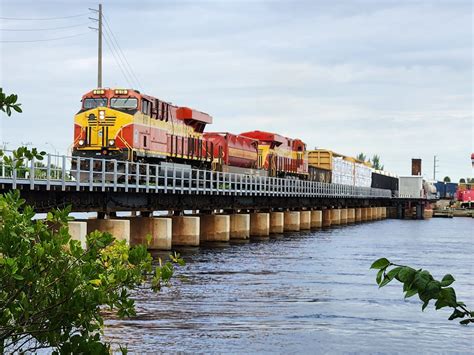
(109, 185)
(118, 176)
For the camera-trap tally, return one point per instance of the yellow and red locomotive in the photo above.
(124, 124)
(279, 155)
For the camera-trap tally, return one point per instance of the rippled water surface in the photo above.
(309, 292)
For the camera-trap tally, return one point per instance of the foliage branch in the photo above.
(9, 103)
(420, 282)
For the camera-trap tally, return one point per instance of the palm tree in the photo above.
(361, 157)
(376, 163)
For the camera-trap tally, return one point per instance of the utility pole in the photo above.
(99, 53)
(435, 165)
(99, 61)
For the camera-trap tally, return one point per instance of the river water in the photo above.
(309, 292)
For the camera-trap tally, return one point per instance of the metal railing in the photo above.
(88, 174)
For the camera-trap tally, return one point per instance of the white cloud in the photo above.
(393, 78)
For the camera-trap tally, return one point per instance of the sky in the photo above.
(393, 78)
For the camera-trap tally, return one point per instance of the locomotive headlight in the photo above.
(102, 114)
(81, 142)
(111, 141)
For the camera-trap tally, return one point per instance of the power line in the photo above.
(126, 64)
(117, 49)
(117, 61)
(122, 62)
(42, 19)
(41, 29)
(117, 58)
(46, 39)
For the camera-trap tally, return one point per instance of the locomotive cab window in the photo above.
(124, 103)
(95, 102)
(146, 107)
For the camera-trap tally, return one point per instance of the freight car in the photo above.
(344, 170)
(381, 180)
(319, 174)
(446, 190)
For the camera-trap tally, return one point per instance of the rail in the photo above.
(90, 174)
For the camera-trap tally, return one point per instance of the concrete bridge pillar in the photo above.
(351, 215)
(400, 212)
(358, 215)
(239, 226)
(185, 230)
(370, 213)
(260, 224)
(427, 213)
(343, 215)
(335, 217)
(394, 212)
(365, 214)
(326, 218)
(316, 219)
(78, 231)
(277, 222)
(158, 228)
(119, 228)
(214, 228)
(292, 221)
(419, 211)
(305, 220)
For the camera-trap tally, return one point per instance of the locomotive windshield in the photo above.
(95, 102)
(127, 103)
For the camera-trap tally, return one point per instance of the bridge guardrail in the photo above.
(90, 174)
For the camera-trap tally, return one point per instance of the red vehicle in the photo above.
(465, 195)
(232, 152)
(279, 155)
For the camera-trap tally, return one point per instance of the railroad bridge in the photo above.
(229, 204)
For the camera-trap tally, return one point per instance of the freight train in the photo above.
(125, 124)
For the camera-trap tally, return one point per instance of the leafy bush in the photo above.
(7, 103)
(421, 283)
(52, 290)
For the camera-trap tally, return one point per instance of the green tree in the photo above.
(462, 181)
(420, 282)
(447, 179)
(52, 290)
(376, 163)
(361, 157)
